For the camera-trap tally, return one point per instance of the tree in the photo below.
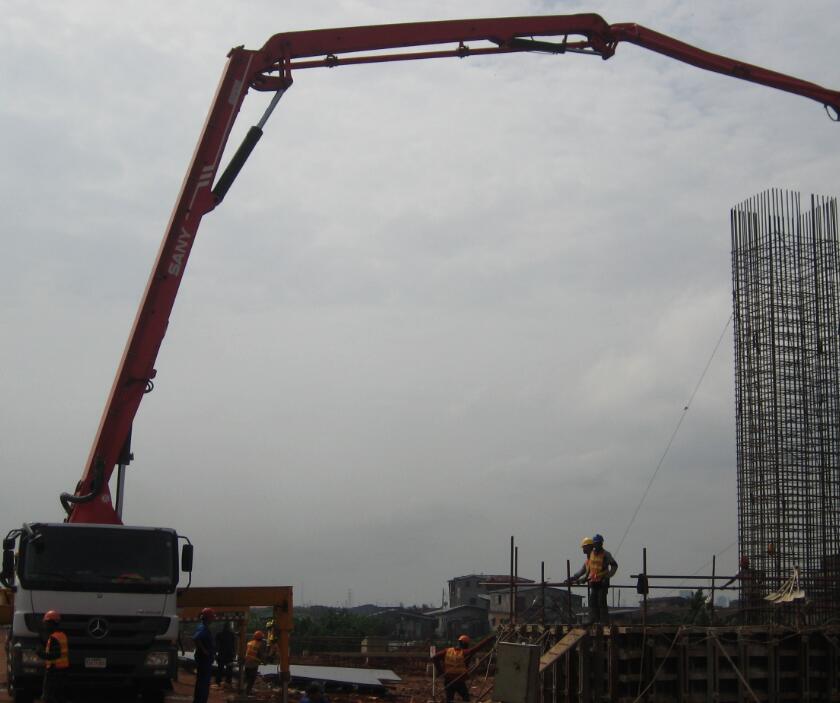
(698, 611)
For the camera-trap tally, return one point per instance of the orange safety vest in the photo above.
(454, 662)
(597, 567)
(252, 654)
(63, 661)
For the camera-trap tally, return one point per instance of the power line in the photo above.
(674, 434)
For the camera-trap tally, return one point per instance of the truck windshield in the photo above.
(71, 558)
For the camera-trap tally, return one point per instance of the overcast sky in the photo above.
(445, 303)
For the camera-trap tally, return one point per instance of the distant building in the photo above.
(668, 609)
(366, 609)
(461, 620)
(529, 605)
(408, 624)
(465, 590)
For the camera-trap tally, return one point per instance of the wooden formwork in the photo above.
(694, 665)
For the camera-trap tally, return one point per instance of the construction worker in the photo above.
(254, 656)
(586, 545)
(204, 655)
(314, 694)
(225, 654)
(455, 662)
(602, 567)
(752, 592)
(56, 656)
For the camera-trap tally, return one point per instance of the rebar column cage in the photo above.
(786, 273)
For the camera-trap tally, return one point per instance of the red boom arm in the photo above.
(270, 68)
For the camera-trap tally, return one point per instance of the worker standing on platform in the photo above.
(56, 656)
(752, 591)
(205, 652)
(254, 656)
(602, 567)
(455, 663)
(582, 573)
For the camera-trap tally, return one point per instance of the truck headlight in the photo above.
(28, 657)
(157, 659)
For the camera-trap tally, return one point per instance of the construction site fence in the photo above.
(643, 604)
(361, 644)
(690, 664)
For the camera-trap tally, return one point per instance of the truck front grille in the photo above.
(86, 632)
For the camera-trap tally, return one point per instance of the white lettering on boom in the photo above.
(176, 265)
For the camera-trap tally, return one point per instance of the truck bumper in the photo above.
(153, 668)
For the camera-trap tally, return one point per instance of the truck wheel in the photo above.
(153, 695)
(23, 696)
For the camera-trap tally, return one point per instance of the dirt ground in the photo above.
(412, 689)
(415, 687)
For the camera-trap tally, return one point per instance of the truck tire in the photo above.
(23, 695)
(153, 695)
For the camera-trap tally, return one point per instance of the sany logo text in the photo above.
(177, 262)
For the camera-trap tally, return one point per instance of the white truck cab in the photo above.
(115, 588)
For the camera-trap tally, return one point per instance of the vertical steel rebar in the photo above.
(515, 583)
(510, 614)
(644, 595)
(569, 591)
(712, 596)
(786, 311)
(542, 593)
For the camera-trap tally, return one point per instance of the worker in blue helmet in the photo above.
(601, 568)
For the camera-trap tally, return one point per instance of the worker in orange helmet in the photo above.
(56, 656)
(454, 663)
(602, 567)
(205, 653)
(751, 586)
(254, 656)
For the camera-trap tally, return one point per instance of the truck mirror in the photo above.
(8, 572)
(187, 558)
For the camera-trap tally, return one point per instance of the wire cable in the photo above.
(641, 694)
(723, 551)
(674, 434)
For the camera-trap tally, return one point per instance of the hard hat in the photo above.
(464, 638)
(208, 614)
(597, 539)
(744, 561)
(258, 635)
(52, 616)
(586, 542)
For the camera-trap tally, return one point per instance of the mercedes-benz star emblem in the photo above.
(97, 628)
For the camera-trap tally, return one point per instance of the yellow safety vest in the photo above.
(63, 661)
(454, 662)
(252, 654)
(597, 567)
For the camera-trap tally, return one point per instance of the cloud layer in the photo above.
(445, 302)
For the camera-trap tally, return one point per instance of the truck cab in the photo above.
(115, 588)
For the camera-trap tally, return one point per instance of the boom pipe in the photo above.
(500, 31)
(136, 368)
(461, 52)
(270, 68)
(675, 49)
(507, 33)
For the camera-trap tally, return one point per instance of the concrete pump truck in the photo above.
(115, 586)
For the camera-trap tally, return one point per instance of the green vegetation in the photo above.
(334, 630)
